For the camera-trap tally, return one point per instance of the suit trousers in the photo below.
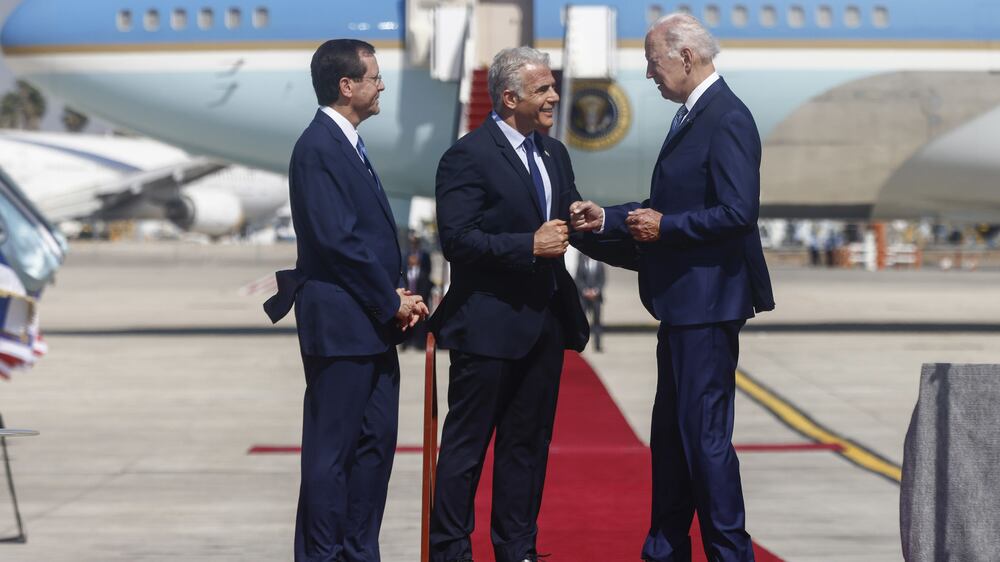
(694, 462)
(516, 398)
(349, 426)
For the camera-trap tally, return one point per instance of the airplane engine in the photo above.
(211, 212)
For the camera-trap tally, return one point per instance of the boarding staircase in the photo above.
(478, 108)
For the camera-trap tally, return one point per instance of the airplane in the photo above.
(855, 99)
(72, 177)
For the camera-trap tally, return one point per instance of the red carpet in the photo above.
(596, 503)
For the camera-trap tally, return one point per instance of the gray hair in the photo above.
(681, 30)
(505, 72)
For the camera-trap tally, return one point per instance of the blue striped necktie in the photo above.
(368, 164)
(682, 112)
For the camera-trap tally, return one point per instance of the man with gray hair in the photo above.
(702, 275)
(503, 196)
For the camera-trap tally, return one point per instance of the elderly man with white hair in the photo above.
(702, 275)
(503, 197)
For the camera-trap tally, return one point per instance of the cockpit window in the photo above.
(796, 16)
(152, 20)
(880, 16)
(824, 16)
(124, 20)
(852, 16)
(206, 18)
(233, 17)
(740, 16)
(768, 16)
(261, 17)
(653, 13)
(712, 16)
(179, 19)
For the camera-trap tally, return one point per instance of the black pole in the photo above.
(20, 537)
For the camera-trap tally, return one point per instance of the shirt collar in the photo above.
(698, 91)
(514, 137)
(349, 131)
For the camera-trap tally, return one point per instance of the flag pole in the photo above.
(430, 446)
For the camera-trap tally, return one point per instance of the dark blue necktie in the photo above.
(678, 119)
(536, 176)
(368, 164)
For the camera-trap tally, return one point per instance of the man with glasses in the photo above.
(350, 309)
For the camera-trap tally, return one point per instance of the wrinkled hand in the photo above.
(644, 224)
(411, 310)
(586, 216)
(552, 239)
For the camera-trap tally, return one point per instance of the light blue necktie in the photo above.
(368, 164)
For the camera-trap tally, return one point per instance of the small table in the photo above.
(6, 432)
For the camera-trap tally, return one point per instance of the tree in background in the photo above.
(23, 108)
(73, 120)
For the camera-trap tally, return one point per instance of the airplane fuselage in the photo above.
(242, 91)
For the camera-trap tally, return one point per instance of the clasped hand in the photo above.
(643, 224)
(552, 239)
(412, 309)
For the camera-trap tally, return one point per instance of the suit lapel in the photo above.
(515, 161)
(351, 155)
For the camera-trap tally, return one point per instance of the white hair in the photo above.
(680, 30)
(505, 72)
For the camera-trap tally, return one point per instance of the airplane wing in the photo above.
(159, 186)
(77, 176)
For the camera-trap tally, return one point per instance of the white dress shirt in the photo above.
(349, 131)
(516, 140)
(700, 89)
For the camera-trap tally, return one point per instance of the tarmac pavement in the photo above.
(161, 376)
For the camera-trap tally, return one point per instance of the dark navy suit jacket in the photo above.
(708, 265)
(487, 214)
(349, 261)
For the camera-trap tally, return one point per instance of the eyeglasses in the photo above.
(377, 79)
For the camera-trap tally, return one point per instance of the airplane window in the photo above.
(261, 17)
(740, 16)
(653, 13)
(796, 16)
(768, 16)
(125, 20)
(824, 16)
(684, 9)
(712, 16)
(179, 19)
(852, 16)
(880, 17)
(152, 20)
(233, 18)
(206, 18)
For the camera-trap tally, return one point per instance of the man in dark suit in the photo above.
(350, 309)
(702, 274)
(590, 280)
(503, 195)
(418, 282)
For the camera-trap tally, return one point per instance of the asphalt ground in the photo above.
(162, 373)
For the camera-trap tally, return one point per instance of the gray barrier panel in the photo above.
(949, 505)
